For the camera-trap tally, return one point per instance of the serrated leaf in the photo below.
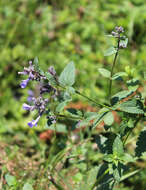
(120, 95)
(27, 186)
(133, 84)
(108, 119)
(99, 117)
(141, 144)
(132, 106)
(60, 107)
(108, 157)
(67, 77)
(118, 149)
(116, 174)
(36, 63)
(36, 66)
(90, 116)
(58, 128)
(50, 78)
(110, 51)
(104, 72)
(11, 180)
(127, 158)
(117, 76)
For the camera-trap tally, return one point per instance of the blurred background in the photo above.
(57, 32)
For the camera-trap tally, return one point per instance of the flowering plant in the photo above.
(128, 104)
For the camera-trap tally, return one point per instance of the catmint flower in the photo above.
(30, 95)
(24, 83)
(119, 29)
(52, 71)
(34, 122)
(28, 107)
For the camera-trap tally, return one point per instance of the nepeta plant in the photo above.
(128, 104)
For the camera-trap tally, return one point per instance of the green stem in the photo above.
(99, 179)
(130, 131)
(112, 70)
(93, 101)
(68, 117)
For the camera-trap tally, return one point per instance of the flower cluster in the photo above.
(39, 103)
(32, 75)
(118, 31)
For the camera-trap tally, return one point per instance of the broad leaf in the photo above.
(99, 117)
(133, 84)
(117, 76)
(108, 118)
(60, 107)
(67, 77)
(132, 106)
(11, 180)
(58, 128)
(141, 144)
(109, 157)
(120, 95)
(27, 186)
(110, 51)
(104, 72)
(118, 149)
(50, 78)
(36, 66)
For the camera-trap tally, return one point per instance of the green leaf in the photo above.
(108, 119)
(118, 149)
(58, 128)
(99, 117)
(78, 177)
(104, 72)
(67, 77)
(117, 76)
(11, 180)
(36, 63)
(60, 107)
(36, 66)
(127, 158)
(132, 106)
(141, 144)
(27, 186)
(133, 84)
(116, 174)
(110, 51)
(50, 78)
(90, 115)
(120, 95)
(108, 157)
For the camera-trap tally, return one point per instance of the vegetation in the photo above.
(96, 142)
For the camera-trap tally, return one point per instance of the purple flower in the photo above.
(24, 83)
(28, 107)
(52, 70)
(30, 95)
(34, 122)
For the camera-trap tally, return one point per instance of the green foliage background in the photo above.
(57, 32)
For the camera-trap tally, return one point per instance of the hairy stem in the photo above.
(91, 100)
(112, 70)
